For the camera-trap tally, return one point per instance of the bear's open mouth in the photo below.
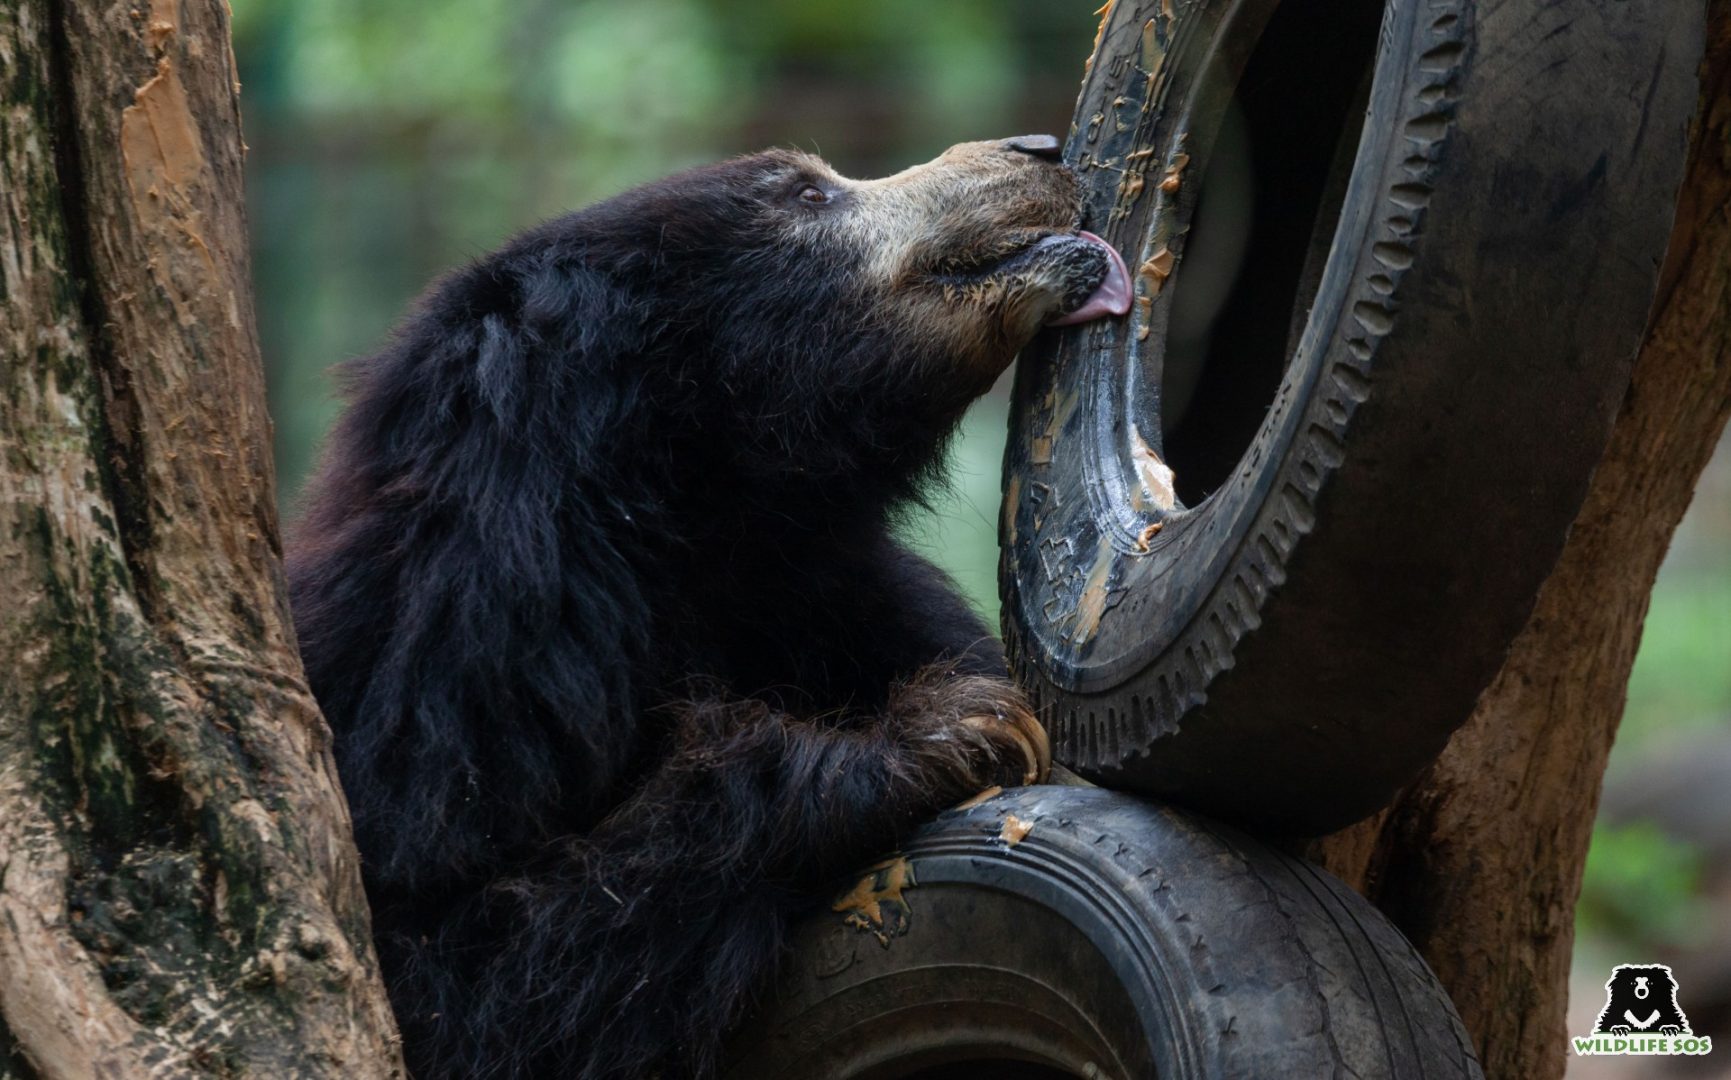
(1088, 273)
(1103, 290)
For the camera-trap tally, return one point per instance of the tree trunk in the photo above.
(1480, 860)
(179, 892)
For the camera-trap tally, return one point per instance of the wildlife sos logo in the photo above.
(1642, 1016)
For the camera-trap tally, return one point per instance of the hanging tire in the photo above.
(1076, 932)
(1266, 539)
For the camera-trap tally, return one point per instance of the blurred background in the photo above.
(393, 139)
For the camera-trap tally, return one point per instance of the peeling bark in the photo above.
(179, 892)
(1480, 860)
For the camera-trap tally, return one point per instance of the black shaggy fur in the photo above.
(596, 589)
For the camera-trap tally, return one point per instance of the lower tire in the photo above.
(1076, 932)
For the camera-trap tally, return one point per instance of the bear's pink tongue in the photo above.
(1113, 295)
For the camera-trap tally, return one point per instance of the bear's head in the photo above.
(974, 251)
(804, 324)
(968, 254)
(757, 335)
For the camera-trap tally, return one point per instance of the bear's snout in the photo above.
(1044, 147)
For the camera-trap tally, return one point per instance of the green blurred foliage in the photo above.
(1682, 675)
(1643, 886)
(960, 529)
(1643, 889)
(392, 139)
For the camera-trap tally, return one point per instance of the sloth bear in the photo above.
(597, 586)
(1641, 1000)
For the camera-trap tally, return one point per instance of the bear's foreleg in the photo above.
(633, 950)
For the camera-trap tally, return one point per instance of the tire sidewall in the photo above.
(1298, 646)
(1225, 972)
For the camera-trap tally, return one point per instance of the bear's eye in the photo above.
(813, 195)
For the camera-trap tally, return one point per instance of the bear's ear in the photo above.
(567, 299)
(513, 359)
(520, 361)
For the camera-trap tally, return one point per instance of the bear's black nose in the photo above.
(1045, 147)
